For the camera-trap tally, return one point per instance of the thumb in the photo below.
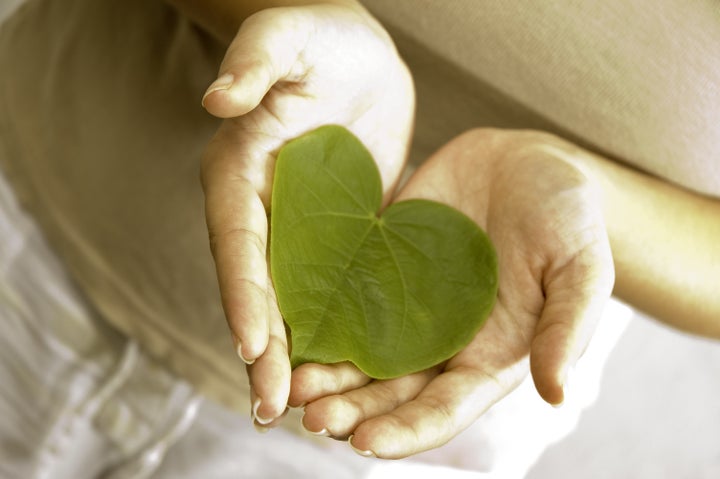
(575, 295)
(264, 52)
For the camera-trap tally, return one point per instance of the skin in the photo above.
(276, 94)
(222, 18)
(565, 222)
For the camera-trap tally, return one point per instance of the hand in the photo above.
(555, 275)
(288, 71)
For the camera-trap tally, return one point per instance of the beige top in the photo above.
(101, 130)
(638, 80)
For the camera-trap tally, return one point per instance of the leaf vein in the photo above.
(409, 242)
(404, 289)
(336, 288)
(344, 187)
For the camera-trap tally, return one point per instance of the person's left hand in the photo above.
(555, 275)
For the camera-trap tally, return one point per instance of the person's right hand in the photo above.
(288, 71)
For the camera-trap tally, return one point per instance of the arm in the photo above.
(222, 18)
(665, 242)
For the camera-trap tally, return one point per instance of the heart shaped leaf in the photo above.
(395, 293)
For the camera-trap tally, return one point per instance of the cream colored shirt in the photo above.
(101, 129)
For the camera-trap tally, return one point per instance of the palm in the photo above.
(555, 273)
(543, 217)
(295, 69)
(345, 73)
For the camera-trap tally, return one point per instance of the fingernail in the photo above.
(238, 350)
(223, 82)
(366, 453)
(322, 432)
(260, 420)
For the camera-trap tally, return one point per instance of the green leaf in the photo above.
(395, 293)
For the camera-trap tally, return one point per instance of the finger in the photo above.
(447, 406)
(575, 296)
(237, 228)
(265, 51)
(270, 374)
(312, 381)
(339, 415)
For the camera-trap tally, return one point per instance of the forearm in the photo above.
(666, 246)
(222, 18)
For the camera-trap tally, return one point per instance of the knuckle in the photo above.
(235, 241)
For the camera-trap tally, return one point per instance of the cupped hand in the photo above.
(544, 217)
(288, 71)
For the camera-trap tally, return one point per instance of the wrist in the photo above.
(664, 242)
(222, 18)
